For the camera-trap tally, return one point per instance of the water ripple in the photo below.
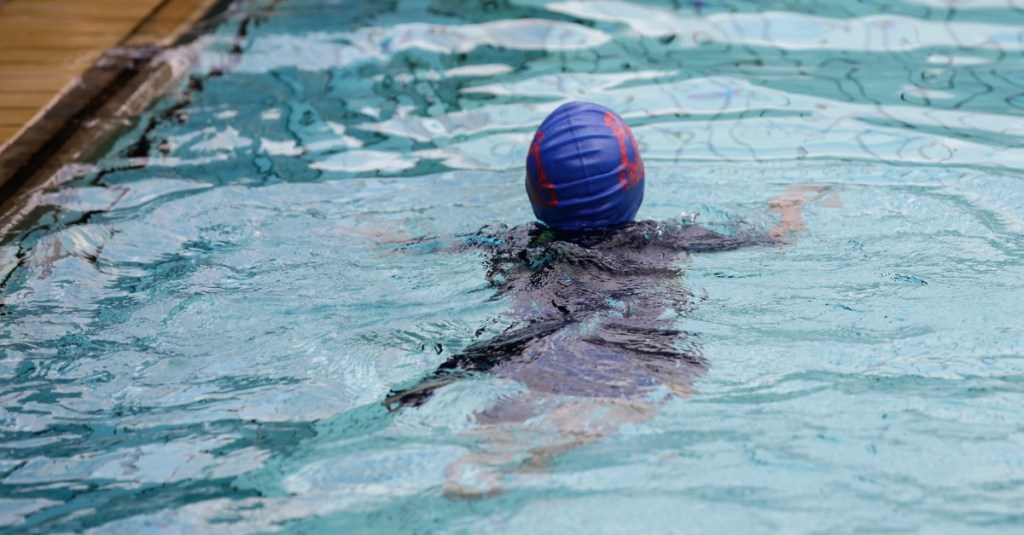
(198, 328)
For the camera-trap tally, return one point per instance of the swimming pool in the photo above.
(199, 328)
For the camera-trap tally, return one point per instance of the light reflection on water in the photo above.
(199, 328)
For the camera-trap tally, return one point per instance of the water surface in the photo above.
(199, 327)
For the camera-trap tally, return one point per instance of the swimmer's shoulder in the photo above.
(685, 234)
(504, 238)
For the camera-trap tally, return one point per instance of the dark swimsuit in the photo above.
(593, 310)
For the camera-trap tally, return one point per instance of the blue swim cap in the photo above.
(584, 169)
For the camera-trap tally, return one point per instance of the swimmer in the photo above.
(594, 296)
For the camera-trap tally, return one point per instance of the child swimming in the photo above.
(594, 292)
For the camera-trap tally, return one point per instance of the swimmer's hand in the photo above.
(790, 207)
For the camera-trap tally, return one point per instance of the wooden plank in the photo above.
(16, 117)
(72, 3)
(182, 10)
(46, 27)
(67, 40)
(7, 133)
(49, 84)
(67, 71)
(169, 21)
(67, 19)
(88, 10)
(60, 4)
(29, 30)
(48, 57)
(24, 100)
(156, 33)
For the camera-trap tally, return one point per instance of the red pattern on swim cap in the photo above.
(543, 187)
(632, 171)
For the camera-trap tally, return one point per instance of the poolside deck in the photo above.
(48, 46)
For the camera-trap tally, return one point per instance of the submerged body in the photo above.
(593, 335)
(593, 310)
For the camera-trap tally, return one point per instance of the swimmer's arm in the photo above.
(487, 238)
(694, 238)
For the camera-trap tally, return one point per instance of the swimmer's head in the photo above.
(583, 169)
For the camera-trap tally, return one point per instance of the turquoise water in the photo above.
(199, 328)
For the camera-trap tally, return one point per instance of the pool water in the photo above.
(199, 328)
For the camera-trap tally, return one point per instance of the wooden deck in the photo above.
(46, 46)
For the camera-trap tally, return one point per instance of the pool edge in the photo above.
(92, 107)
